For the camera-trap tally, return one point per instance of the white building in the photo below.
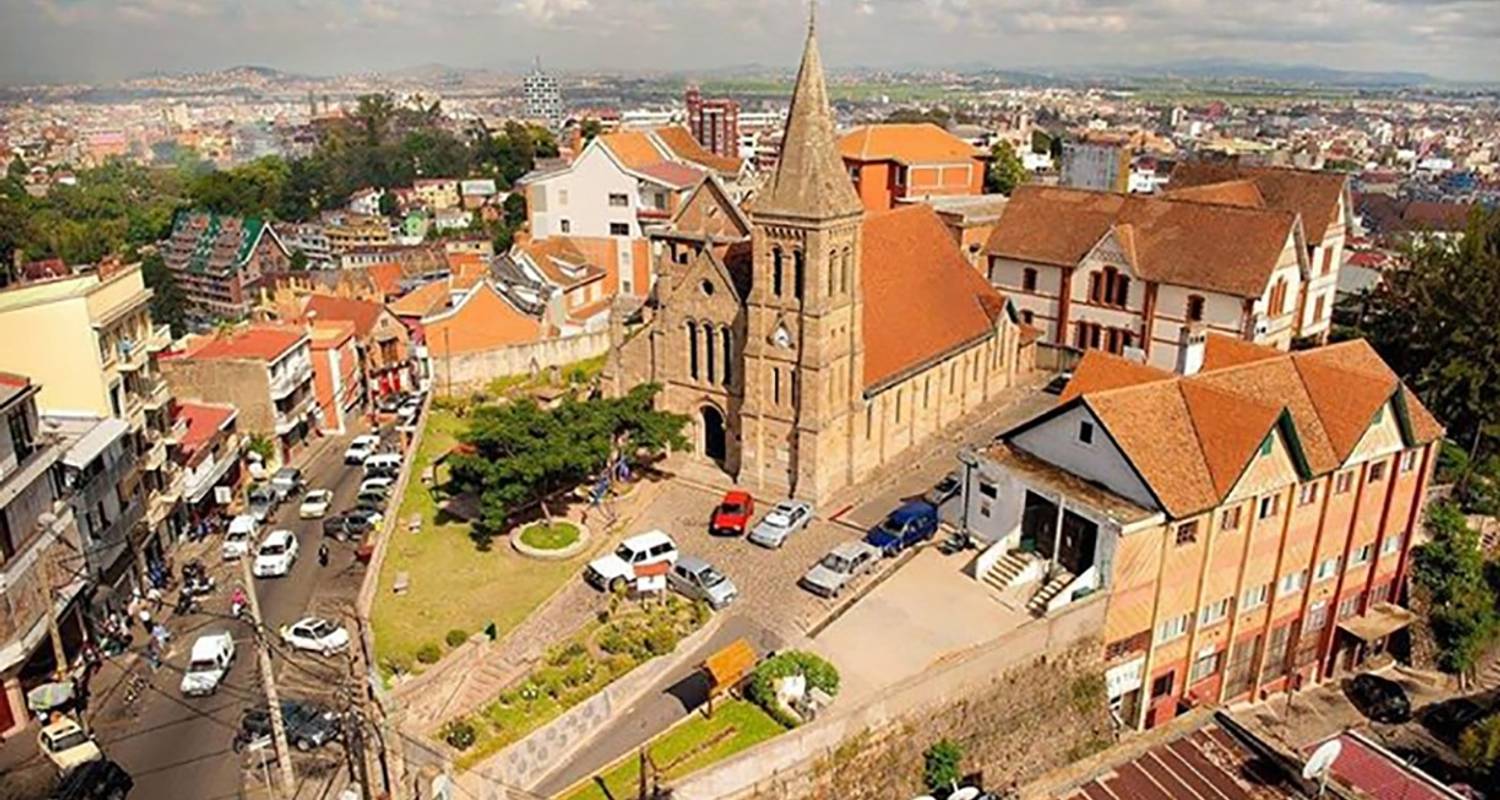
(543, 97)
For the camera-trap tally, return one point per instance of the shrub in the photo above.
(614, 641)
(762, 686)
(398, 663)
(579, 672)
(1479, 744)
(661, 639)
(940, 764)
(459, 734)
(456, 637)
(429, 653)
(562, 656)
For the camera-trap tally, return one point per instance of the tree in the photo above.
(1433, 318)
(1479, 745)
(515, 209)
(298, 261)
(589, 129)
(941, 765)
(1450, 568)
(167, 303)
(1040, 141)
(388, 204)
(1006, 172)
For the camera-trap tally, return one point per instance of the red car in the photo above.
(733, 515)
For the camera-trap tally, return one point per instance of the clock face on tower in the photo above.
(781, 337)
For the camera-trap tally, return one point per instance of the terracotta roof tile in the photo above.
(562, 261)
(423, 300)
(362, 313)
(1153, 426)
(1241, 193)
(259, 342)
(482, 321)
(633, 149)
(909, 261)
(1230, 428)
(1311, 193)
(907, 143)
(671, 173)
(1220, 350)
(680, 141)
(1098, 371)
(203, 422)
(386, 277)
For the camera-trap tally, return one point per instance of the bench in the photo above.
(403, 582)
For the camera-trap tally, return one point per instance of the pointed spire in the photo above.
(810, 181)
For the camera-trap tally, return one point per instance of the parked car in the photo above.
(66, 745)
(380, 482)
(315, 504)
(348, 525)
(315, 634)
(1058, 384)
(383, 464)
(286, 482)
(696, 579)
(374, 498)
(911, 524)
(618, 568)
(237, 538)
(784, 519)
(409, 411)
(261, 503)
(209, 661)
(360, 448)
(732, 516)
(392, 402)
(308, 726)
(944, 490)
(845, 562)
(101, 779)
(369, 516)
(1380, 699)
(276, 555)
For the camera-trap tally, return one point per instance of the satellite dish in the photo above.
(966, 793)
(1320, 763)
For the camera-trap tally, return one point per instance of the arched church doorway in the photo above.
(713, 433)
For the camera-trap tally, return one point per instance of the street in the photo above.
(181, 747)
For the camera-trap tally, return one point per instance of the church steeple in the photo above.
(810, 181)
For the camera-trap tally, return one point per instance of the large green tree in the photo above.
(1450, 568)
(1006, 171)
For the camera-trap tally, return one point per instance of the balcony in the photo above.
(156, 456)
(158, 396)
(288, 420)
(133, 354)
(159, 339)
(163, 502)
(197, 483)
(22, 586)
(292, 377)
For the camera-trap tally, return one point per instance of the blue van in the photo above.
(908, 525)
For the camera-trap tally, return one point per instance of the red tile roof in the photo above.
(362, 313)
(204, 421)
(257, 342)
(907, 143)
(1312, 193)
(423, 300)
(682, 144)
(1230, 193)
(909, 261)
(1205, 764)
(673, 174)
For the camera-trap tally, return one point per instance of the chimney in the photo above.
(1190, 354)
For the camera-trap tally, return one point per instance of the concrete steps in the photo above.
(1003, 575)
(1060, 581)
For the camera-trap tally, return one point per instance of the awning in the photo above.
(729, 665)
(91, 444)
(1382, 620)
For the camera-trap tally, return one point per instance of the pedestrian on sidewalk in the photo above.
(145, 619)
(153, 655)
(154, 596)
(323, 554)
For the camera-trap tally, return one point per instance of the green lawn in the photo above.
(454, 584)
(689, 747)
(550, 537)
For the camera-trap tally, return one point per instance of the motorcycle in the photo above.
(195, 578)
(187, 603)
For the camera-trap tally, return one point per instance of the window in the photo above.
(1408, 461)
(1230, 519)
(854, 173)
(776, 385)
(776, 271)
(1162, 686)
(989, 490)
(869, 420)
(1343, 482)
(898, 406)
(1086, 432)
(900, 175)
(1392, 544)
(1204, 667)
(1028, 316)
(1317, 617)
(618, 200)
(562, 197)
(692, 346)
(1276, 645)
(1254, 597)
(1187, 532)
(1381, 593)
(708, 352)
(619, 229)
(1195, 308)
(799, 274)
(1028, 280)
(1379, 415)
(1278, 298)
(1266, 446)
(1361, 555)
(1213, 612)
(1308, 494)
(1270, 505)
(1318, 309)
(20, 435)
(1173, 628)
(728, 337)
(846, 262)
(1349, 606)
(1327, 568)
(1377, 472)
(1327, 260)
(1291, 583)
(566, 226)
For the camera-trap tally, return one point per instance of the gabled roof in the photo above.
(922, 299)
(327, 308)
(906, 143)
(256, 342)
(1314, 194)
(560, 261)
(680, 142)
(482, 320)
(203, 421)
(1222, 248)
(1241, 193)
(1220, 351)
(633, 149)
(423, 300)
(1191, 438)
(673, 174)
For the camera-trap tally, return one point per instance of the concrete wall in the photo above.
(467, 372)
(581, 196)
(246, 385)
(1056, 441)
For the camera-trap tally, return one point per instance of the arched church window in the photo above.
(846, 267)
(833, 272)
(692, 349)
(799, 273)
(727, 337)
(776, 271)
(709, 355)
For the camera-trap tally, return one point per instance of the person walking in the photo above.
(322, 554)
(153, 595)
(153, 655)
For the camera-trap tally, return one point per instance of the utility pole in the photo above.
(49, 607)
(354, 747)
(268, 682)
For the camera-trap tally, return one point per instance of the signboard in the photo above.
(651, 583)
(223, 495)
(1125, 678)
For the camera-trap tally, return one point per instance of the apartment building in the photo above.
(218, 261)
(263, 370)
(894, 162)
(347, 232)
(337, 381)
(715, 122)
(1144, 275)
(209, 447)
(1251, 523)
(437, 194)
(1099, 165)
(101, 360)
(40, 574)
(385, 357)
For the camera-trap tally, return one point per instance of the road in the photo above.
(180, 747)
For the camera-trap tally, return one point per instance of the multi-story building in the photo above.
(209, 447)
(41, 575)
(386, 360)
(437, 194)
(1099, 165)
(714, 122)
(263, 370)
(346, 232)
(894, 162)
(218, 261)
(312, 240)
(337, 381)
(543, 97)
(1143, 275)
(1250, 524)
(101, 473)
(101, 359)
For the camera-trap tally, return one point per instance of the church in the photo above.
(810, 342)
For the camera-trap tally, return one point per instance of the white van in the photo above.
(212, 655)
(237, 538)
(386, 464)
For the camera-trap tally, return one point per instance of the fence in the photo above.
(466, 372)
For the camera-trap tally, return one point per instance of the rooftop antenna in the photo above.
(812, 16)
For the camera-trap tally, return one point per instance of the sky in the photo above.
(104, 40)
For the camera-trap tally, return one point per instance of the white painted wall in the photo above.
(1007, 275)
(581, 196)
(1056, 442)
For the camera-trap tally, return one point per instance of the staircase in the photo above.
(1060, 581)
(1004, 574)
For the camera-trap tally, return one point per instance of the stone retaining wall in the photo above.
(467, 372)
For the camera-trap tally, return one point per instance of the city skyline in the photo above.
(91, 41)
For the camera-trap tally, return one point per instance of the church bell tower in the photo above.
(804, 358)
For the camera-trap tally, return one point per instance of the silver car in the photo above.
(696, 579)
(788, 517)
(843, 563)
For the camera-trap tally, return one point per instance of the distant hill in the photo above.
(1235, 69)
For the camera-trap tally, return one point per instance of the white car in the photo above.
(315, 634)
(238, 537)
(617, 569)
(66, 745)
(788, 517)
(361, 448)
(379, 483)
(212, 655)
(315, 504)
(276, 555)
